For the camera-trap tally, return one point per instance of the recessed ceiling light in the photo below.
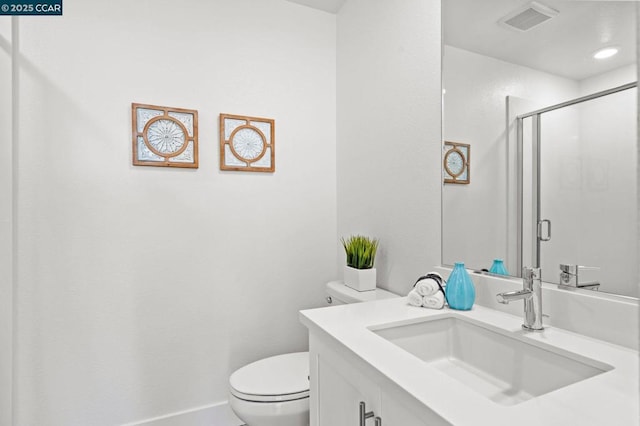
(605, 53)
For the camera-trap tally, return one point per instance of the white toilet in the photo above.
(275, 391)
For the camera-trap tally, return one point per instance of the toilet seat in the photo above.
(269, 398)
(276, 379)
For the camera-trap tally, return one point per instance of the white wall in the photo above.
(475, 215)
(6, 258)
(608, 80)
(141, 288)
(388, 155)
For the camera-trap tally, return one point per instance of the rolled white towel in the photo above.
(414, 298)
(427, 287)
(435, 301)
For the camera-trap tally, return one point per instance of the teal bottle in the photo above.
(498, 267)
(460, 291)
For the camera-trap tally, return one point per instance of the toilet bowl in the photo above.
(275, 391)
(272, 391)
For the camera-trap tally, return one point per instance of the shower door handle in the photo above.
(540, 223)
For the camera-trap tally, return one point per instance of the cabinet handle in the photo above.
(363, 414)
(378, 421)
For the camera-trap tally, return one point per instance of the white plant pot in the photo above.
(360, 279)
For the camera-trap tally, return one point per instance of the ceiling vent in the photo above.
(529, 16)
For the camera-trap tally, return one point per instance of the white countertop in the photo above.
(610, 398)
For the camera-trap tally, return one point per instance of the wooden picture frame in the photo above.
(164, 136)
(247, 143)
(455, 163)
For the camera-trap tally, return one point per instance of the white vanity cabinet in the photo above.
(339, 396)
(376, 353)
(340, 381)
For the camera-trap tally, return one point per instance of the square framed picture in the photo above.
(456, 162)
(164, 136)
(247, 143)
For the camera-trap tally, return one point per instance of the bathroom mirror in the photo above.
(503, 59)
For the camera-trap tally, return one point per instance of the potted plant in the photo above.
(359, 272)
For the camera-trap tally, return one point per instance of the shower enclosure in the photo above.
(577, 197)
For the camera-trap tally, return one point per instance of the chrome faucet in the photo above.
(531, 293)
(570, 277)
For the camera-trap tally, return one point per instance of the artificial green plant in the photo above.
(361, 251)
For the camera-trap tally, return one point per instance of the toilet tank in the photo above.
(339, 294)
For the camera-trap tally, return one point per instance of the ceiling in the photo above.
(563, 45)
(332, 6)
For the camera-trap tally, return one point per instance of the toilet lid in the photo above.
(278, 378)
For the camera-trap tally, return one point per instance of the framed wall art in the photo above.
(456, 162)
(247, 143)
(164, 136)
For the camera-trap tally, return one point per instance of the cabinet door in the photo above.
(340, 393)
(399, 410)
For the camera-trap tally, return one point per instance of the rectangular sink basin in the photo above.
(495, 363)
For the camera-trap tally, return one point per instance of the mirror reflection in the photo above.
(580, 175)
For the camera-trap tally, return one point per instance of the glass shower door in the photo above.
(587, 189)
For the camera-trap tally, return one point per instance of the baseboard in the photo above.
(219, 414)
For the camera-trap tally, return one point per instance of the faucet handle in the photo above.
(574, 269)
(574, 276)
(530, 273)
(569, 269)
